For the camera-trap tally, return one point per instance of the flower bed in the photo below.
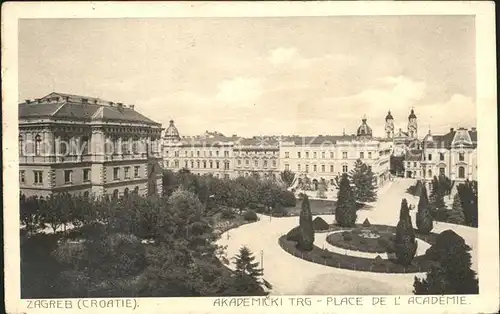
(355, 241)
(317, 255)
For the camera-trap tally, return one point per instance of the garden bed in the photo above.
(355, 241)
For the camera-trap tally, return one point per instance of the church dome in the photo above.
(389, 116)
(364, 129)
(412, 115)
(171, 132)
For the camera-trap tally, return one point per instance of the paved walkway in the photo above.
(291, 275)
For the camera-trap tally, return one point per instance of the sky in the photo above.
(262, 76)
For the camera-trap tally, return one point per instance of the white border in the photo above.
(487, 301)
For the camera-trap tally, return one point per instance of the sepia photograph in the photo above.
(249, 156)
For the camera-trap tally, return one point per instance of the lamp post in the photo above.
(262, 260)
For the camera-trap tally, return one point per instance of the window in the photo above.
(307, 154)
(331, 155)
(322, 168)
(323, 155)
(256, 163)
(461, 172)
(415, 164)
(265, 163)
(429, 173)
(331, 168)
(176, 154)
(204, 164)
(21, 176)
(315, 168)
(68, 176)
(210, 153)
(247, 162)
(211, 163)
(38, 142)
(461, 156)
(369, 155)
(198, 164)
(127, 172)
(198, 153)
(287, 155)
(344, 168)
(226, 165)
(298, 167)
(226, 153)
(441, 156)
(344, 155)
(298, 154)
(217, 164)
(185, 164)
(192, 164)
(185, 153)
(274, 163)
(217, 153)
(86, 175)
(361, 155)
(115, 194)
(287, 167)
(116, 173)
(21, 146)
(441, 171)
(239, 162)
(192, 153)
(307, 168)
(314, 154)
(429, 157)
(38, 176)
(136, 171)
(176, 163)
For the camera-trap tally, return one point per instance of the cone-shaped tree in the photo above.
(363, 180)
(456, 214)
(437, 198)
(424, 215)
(306, 239)
(468, 195)
(244, 262)
(405, 244)
(345, 211)
(452, 274)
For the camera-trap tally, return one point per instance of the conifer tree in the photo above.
(405, 244)
(363, 180)
(245, 265)
(424, 215)
(306, 238)
(345, 210)
(456, 214)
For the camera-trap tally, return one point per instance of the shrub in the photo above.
(71, 254)
(405, 244)
(250, 216)
(279, 211)
(287, 199)
(294, 234)
(306, 239)
(227, 213)
(378, 260)
(366, 223)
(320, 224)
(347, 237)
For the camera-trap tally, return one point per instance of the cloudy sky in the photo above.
(254, 76)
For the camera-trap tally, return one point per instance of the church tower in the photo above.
(412, 125)
(389, 125)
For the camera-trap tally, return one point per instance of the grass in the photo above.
(351, 240)
(320, 207)
(325, 257)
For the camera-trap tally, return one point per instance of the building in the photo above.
(78, 144)
(453, 154)
(326, 157)
(219, 155)
(403, 140)
(413, 164)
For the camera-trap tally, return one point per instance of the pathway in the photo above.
(290, 275)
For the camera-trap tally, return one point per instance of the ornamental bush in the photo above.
(250, 216)
(294, 234)
(345, 211)
(227, 213)
(405, 245)
(320, 224)
(424, 215)
(306, 239)
(366, 223)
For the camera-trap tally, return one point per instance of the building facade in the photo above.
(402, 140)
(78, 144)
(453, 154)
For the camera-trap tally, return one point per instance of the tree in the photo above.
(437, 199)
(452, 273)
(405, 244)
(322, 188)
(30, 213)
(345, 210)
(244, 262)
(306, 239)
(467, 192)
(424, 215)
(456, 214)
(363, 180)
(287, 177)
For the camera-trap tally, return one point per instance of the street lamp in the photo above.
(262, 260)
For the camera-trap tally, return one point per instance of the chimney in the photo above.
(38, 100)
(131, 107)
(95, 101)
(452, 129)
(28, 101)
(473, 129)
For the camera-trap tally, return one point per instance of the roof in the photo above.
(455, 138)
(67, 106)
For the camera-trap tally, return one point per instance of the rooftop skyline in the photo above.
(262, 76)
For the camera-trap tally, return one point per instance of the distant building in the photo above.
(453, 154)
(413, 164)
(78, 144)
(403, 140)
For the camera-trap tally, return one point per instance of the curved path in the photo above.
(290, 275)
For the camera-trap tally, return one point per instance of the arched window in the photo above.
(21, 145)
(38, 143)
(461, 172)
(204, 164)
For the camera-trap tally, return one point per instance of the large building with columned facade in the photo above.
(85, 145)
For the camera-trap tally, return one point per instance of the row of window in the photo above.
(256, 163)
(126, 172)
(68, 176)
(345, 168)
(442, 171)
(198, 153)
(323, 155)
(461, 157)
(199, 164)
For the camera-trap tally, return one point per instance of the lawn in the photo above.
(319, 207)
